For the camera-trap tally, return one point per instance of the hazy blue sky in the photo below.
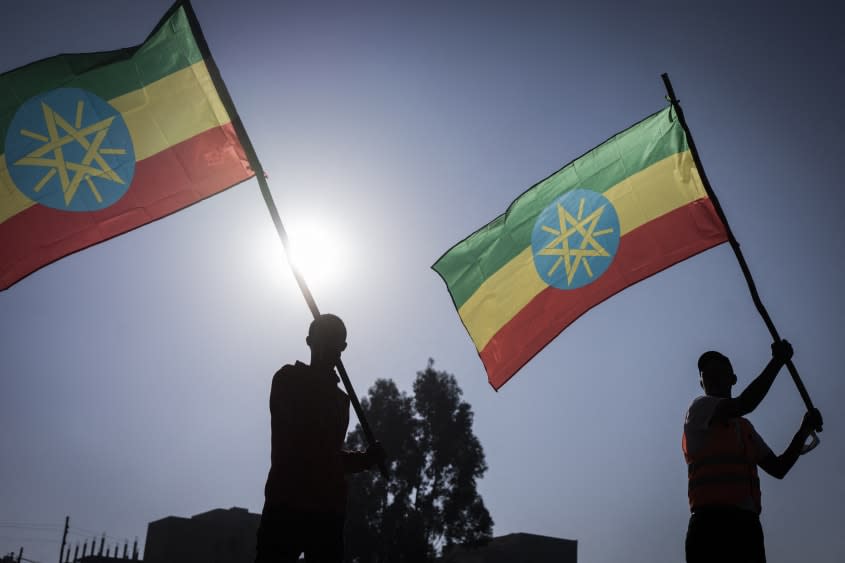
(136, 374)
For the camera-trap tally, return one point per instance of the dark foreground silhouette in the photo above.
(305, 494)
(723, 451)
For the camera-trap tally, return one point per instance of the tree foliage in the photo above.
(430, 501)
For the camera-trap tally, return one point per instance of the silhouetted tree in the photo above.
(431, 501)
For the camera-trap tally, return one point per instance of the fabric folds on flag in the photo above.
(94, 145)
(622, 212)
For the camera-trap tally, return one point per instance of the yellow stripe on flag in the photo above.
(12, 201)
(171, 110)
(164, 113)
(662, 187)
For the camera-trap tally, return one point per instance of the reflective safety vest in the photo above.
(723, 472)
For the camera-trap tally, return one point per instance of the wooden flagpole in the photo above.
(746, 272)
(255, 164)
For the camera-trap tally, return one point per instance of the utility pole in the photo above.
(20, 555)
(64, 539)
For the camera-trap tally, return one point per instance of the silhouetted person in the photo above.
(723, 451)
(305, 495)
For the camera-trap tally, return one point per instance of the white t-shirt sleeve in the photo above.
(697, 421)
(700, 412)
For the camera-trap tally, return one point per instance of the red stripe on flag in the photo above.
(163, 183)
(643, 252)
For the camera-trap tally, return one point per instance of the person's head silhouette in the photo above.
(716, 374)
(327, 339)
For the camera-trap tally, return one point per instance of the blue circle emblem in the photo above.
(69, 149)
(575, 239)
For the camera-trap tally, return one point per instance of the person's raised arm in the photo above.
(757, 389)
(752, 395)
(779, 466)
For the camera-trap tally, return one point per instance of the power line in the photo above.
(82, 533)
(45, 527)
(18, 539)
(28, 523)
(78, 533)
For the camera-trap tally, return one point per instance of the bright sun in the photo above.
(321, 250)
(317, 252)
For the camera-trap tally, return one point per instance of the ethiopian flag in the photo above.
(94, 145)
(627, 209)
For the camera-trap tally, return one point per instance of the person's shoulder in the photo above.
(290, 372)
(703, 402)
(297, 367)
(700, 410)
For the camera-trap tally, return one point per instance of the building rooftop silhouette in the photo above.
(519, 547)
(228, 536)
(217, 536)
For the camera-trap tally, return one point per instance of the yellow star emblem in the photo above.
(568, 225)
(51, 153)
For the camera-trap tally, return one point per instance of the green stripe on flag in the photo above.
(170, 48)
(467, 264)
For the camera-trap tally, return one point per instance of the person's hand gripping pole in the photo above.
(812, 423)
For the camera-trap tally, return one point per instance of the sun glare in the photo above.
(320, 247)
(318, 252)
